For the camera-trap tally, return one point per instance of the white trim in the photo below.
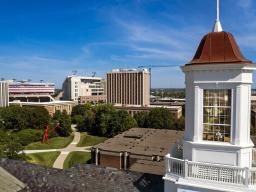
(218, 67)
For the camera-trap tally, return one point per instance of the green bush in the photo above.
(17, 118)
(77, 119)
(28, 136)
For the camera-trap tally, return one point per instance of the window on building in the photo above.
(217, 115)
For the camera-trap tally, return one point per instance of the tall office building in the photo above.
(4, 94)
(128, 87)
(78, 86)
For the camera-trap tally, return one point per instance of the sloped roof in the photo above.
(9, 183)
(218, 48)
(81, 178)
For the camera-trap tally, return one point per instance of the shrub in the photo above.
(28, 136)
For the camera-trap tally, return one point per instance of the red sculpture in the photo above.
(46, 133)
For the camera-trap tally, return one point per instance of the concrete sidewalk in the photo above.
(59, 162)
(64, 151)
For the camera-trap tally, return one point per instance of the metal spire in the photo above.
(217, 26)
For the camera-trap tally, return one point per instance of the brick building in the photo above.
(138, 149)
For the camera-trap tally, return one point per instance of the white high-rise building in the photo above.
(4, 94)
(76, 86)
(217, 153)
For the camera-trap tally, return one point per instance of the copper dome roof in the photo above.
(218, 48)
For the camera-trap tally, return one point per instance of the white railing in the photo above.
(175, 166)
(254, 155)
(253, 177)
(212, 172)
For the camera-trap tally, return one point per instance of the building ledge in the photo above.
(219, 144)
(202, 184)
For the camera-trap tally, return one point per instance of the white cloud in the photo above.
(247, 40)
(244, 3)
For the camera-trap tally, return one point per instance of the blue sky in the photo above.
(48, 39)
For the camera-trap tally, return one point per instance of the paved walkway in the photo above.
(64, 151)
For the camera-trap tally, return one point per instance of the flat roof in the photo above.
(42, 103)
(132, 70)
(85, 77)
(175, 107)
(142, 141)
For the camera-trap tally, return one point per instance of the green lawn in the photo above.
(55, 143)
(45, 159)
(76, 157)
(89, 140)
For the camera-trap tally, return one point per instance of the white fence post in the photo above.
(185, 167)
(167, 164)
(246, 179)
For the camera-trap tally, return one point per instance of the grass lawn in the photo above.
(89, 140)
(45, 159)
(55, 143)
(76, 157)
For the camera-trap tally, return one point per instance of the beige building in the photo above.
(128, 87)
(77, 86)
(176, 111)
(51, 106)
(92, 99)
(4, 94)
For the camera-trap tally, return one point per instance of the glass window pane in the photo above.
(217, 115)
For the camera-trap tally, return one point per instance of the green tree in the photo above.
(81, 109)
(17, 118)
(36, 117)
(13, 150)
(180, 123)
(160, 118)
(141, 119)
(14, 118)
(88, 121)
(10, 146)
(64, 120)
(77, 119)
(103, 115)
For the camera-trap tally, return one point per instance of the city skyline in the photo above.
(49, 39)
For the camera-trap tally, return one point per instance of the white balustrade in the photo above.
(253, 177)
(174, 166)
(254, 155)
(212, 172)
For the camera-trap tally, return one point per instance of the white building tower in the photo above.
(217, 149)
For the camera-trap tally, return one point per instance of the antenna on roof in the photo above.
(217, 26)
(74, 72)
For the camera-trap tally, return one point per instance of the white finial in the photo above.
(217, 26)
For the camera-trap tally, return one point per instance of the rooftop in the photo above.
(218, 48)
(128, 70)
(9, 183)
(143, 141)
(56, 102)
(149, 106)
(142, 144)
(84, 177)
(84, 77)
